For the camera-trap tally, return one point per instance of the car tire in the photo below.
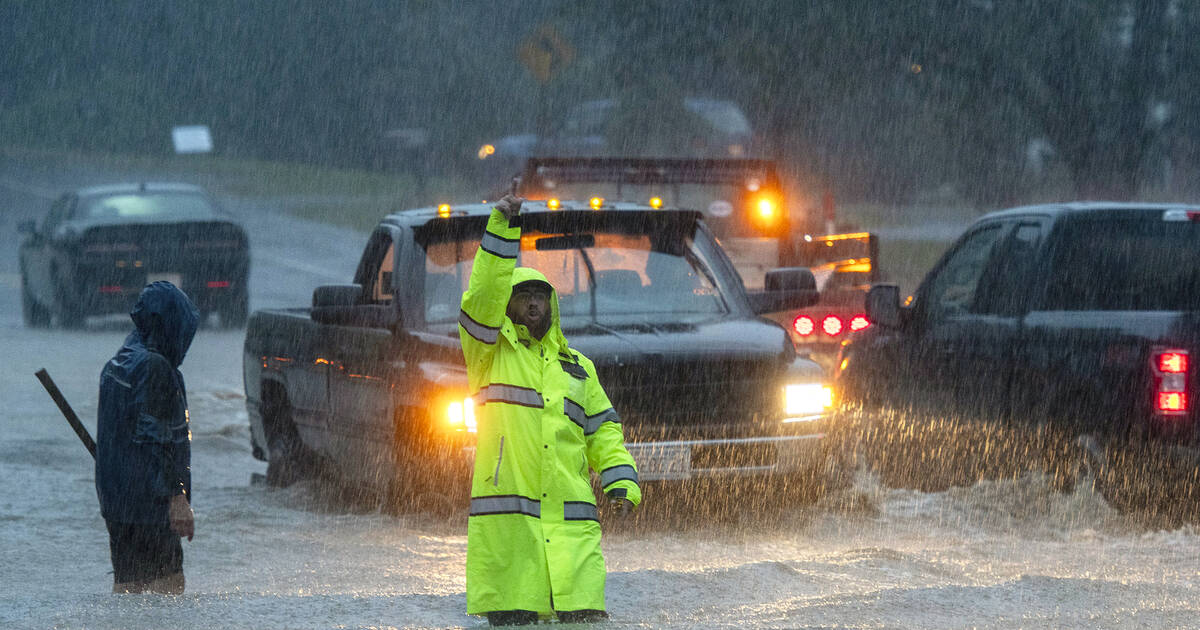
(34, 314)
(236, 311)
(288, 461)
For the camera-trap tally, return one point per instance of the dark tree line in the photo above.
(985, 101)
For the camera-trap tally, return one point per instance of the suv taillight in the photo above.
(1170, 371)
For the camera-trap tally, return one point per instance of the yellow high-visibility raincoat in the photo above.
(533, 536)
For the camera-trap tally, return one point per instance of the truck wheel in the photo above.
(34, 314)
(288, 461)
(236, 311)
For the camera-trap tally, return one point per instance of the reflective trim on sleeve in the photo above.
(499, 246)
(617, 473)
(594, 421)
(512, 394)
(481, 333)
(579, 511)
(505, 504)
(574, 411)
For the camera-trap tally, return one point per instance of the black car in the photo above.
(97, 247)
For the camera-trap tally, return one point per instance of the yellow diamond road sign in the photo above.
(545, 53)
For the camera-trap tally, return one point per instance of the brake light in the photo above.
(832, 325)
(803, 325)
(1173, 362)
(1170, 369)
(1172, 402)
(111, 288)
(218, 284)
(859, 322)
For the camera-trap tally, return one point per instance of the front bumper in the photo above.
(693, 459)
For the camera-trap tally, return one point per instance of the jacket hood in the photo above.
(526, 274)
(166, 319)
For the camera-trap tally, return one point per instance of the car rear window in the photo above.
(1126, 264)
(146, 206)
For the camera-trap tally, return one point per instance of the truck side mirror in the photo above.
(342, 305)
(883, 305)
(337, 295)
(786, 289)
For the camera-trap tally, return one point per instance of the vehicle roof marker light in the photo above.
(553, 204)
(656, 202)
(486, 151)
(596, 202)
(444, 210)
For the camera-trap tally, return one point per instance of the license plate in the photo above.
(174, 278)
(656, 462)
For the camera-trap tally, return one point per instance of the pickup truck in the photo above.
(370, 381)
(1042, 330)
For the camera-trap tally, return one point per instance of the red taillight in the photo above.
(831, 325)
(218, 284)
(1173, 362)
(858, 323)
(1170, 381)
(111, 288)
(1172, 402)
(803, 325)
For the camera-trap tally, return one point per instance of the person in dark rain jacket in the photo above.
(143, 445)
(533, 536)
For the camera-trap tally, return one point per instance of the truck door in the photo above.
(950, 339)
(360, 401)
(981, 344)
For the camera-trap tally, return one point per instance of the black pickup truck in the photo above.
(1041, 324)
(370, 380)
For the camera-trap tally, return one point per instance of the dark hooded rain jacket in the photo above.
(143, 442)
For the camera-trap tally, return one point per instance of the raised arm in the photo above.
(486, 299)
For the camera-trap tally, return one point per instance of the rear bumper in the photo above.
(103, 287)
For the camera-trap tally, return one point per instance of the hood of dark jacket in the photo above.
(166, 320)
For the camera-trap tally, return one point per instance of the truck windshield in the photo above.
(1126, 264)
(598, 276)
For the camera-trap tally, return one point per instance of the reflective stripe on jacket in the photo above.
(533, 536)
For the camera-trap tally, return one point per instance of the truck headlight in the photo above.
(460, 415)
(806, 399)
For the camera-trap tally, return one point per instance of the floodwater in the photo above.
(1012, 554)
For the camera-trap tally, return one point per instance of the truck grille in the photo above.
(660, 400)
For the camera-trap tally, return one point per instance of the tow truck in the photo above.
(744, 205)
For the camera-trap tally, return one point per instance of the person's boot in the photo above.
(512, 617)
(582, 616)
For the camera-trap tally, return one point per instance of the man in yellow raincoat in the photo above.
(533, 535)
